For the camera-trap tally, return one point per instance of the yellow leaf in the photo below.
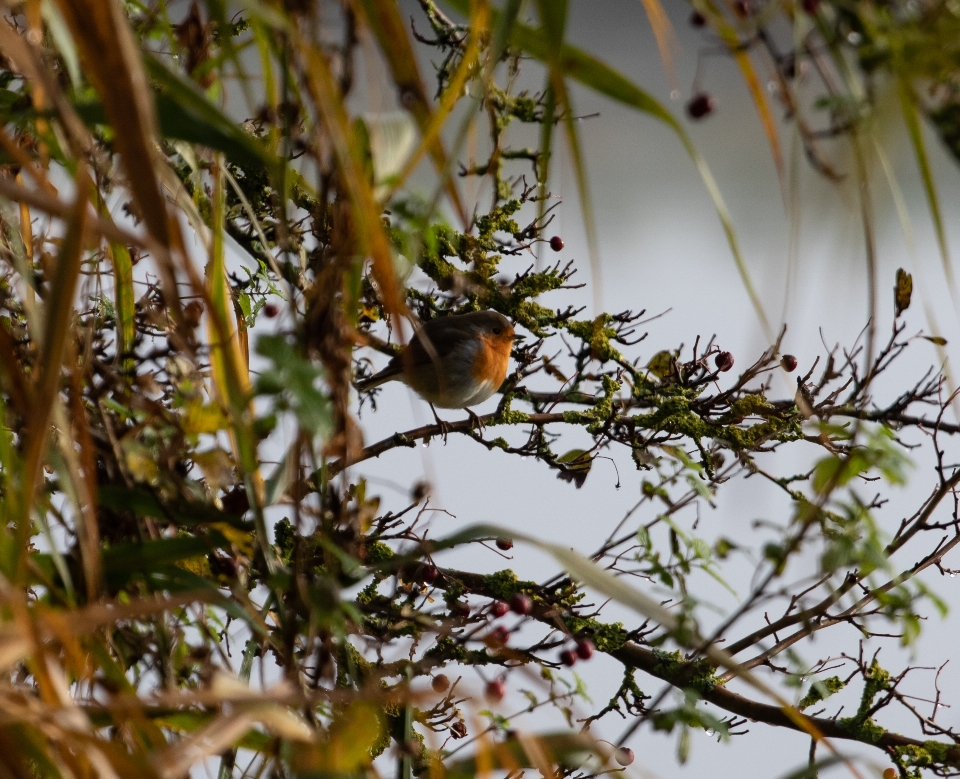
(140, 461)
(902, 291)
(662, 364)
(352, 738)
(203, 418)
(217, 467)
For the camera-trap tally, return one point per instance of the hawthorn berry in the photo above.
(498, 608)
(724, 361)
(624, 756)
(440, 683)
(556, 243)
(697, 19)
(496, 690)
(585, 648)
(788, 362)
(499, 636)
(504, 544)
(270, 310)
(568, 657)
(700, 106)
(429, 573)
(521, 604)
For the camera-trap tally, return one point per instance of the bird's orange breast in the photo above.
(492, 359)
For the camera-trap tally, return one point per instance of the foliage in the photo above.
(171, 596)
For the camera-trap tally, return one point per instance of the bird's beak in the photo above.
(518, 337)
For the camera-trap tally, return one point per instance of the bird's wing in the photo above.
(442, 335)
(393, 370)
(436, 339)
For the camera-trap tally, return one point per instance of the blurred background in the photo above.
(662, 249)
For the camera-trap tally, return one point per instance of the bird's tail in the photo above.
(389, 373)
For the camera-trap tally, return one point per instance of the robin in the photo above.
(453, 362)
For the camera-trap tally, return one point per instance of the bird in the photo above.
(454, 361)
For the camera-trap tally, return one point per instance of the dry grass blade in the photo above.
(58, 320)
(388, 25)
(728, 34)
(322, 88)
(50, 204)
(112, 62)
(663, 32)
(46, 90)
(430, 133)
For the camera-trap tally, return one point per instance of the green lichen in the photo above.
(673, 414)
(606, 638)
(876, 680)
(505, 584)
(378, 552)
(285, 537)
(449, 650)
(699, 675)
(597, 333)
(353, 670)
(938, 751)
(369, 594)
(498, 221)
(750, 405)
(510, 417)
(453, 592)
(595, 418)
(866, 730)
(820, 690)
(932, 754)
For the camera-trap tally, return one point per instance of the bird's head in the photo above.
(496, 329)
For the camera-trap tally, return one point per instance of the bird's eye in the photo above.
(497, 331)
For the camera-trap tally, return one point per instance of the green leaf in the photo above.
(122, 561)
(144, 504)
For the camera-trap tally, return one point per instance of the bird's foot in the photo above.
(444, 426)
(476, 422)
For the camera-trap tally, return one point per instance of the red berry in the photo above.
(429, 574)
(556, 243)
(270, 310)
(697, 19)
(498, 608)
(810, 6)
(496, 690)
(585, 649)
(788, 362)
(521, 604)
(460, 609)
(624, 756)
(700, 106)
(440, 683)
(499, 636)
(724, 361)
(504, 544)
(568, 657)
